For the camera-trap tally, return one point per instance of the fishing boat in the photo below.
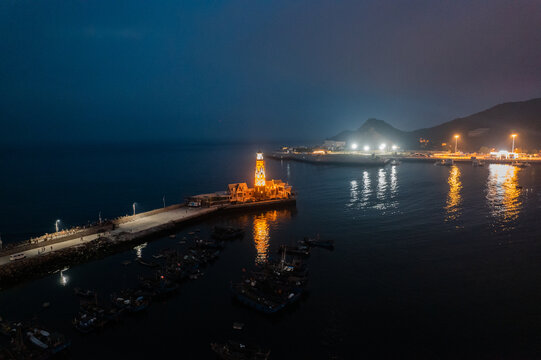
(265, 303)
(394, 162)
(239, 351)
(54, 343)
(159, 287)
(300, 250)
(131, 301)
(521, 164)
(90, 318)
(209, 244)
(477, 163)
(445, 162)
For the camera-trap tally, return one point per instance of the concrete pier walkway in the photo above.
(138, 224)
(131, 228)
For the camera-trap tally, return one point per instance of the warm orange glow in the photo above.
(261, 232)
(259, 171)
(457, 136)
(513, 135)
(454, 198)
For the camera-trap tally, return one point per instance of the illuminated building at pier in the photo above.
(263, 189)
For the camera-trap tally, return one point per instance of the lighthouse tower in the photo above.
(259, 184)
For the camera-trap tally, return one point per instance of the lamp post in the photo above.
(56, 224)
(456, 143)
(513, 147)
(133, 205)
(163, 201)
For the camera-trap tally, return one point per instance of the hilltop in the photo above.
(489, 128)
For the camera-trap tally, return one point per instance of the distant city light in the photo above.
(353, 146)
(366, 148)
(394, 147)
(382, 146)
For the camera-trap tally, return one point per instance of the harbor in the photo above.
(21, 261)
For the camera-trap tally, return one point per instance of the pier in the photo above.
(39, 256)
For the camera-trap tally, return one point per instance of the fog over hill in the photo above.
(490, 128)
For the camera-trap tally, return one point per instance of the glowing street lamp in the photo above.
(394, 147)
(382, 147)
(366, 148)
(456, 143)
(353, 146)
(513, 147)
(56, 223)
(133, 205)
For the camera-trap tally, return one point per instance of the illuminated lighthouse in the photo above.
(259, 183)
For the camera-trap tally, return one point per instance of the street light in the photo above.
(382, 147)
(394, 147)
(456, 143)
(366, 148)
(56, 224)
(513, 147)
(133, 205)
(353, 146)
(163, 201)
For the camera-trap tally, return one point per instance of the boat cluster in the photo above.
(274, 285)
(20, 340)
(170, 268)
(269, 288)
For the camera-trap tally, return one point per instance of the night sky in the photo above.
(256, 70)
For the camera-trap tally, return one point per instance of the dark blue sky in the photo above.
(256, 70)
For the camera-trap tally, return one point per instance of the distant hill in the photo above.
(489, 128)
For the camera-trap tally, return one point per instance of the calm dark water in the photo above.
(430, 262)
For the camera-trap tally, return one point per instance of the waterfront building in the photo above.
(263, 189)
(334, 145)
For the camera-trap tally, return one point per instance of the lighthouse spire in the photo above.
(259, 183)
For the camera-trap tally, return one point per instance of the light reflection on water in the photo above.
(261, 232)
(382, 197)
(454, 198)
(366, 191)
(382, 184)
(354, 192)
(394, 183)
(503, 195)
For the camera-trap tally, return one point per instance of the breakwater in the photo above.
(44, 258)
(331, 159)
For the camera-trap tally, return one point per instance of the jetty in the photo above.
(39, 256)
(331, 159)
